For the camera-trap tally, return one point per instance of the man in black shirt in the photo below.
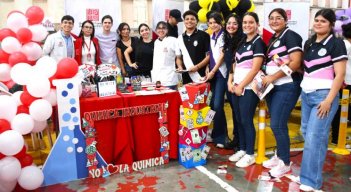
(194, 45)
(174, 18)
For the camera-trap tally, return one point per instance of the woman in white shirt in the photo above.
(167, 50)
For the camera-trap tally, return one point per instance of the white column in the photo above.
(140, 12)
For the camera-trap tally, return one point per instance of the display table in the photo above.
(127, 139)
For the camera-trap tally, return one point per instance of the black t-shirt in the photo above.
(144, 54)
(198, 45)
(123, 47)
(172, 30)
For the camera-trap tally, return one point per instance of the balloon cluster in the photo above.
(342, 17)
(226, 7)
(26, 111)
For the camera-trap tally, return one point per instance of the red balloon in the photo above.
(17, 57)
(66, 68)
(2, 155)
(27, 98)
(4, 57)
(4, 125)
(6, 32)
(35, 15)
(24, 35)
(26, 160)
(22, 109)
(22, 153)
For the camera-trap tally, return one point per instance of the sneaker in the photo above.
(237, 156)
(271, 162)
(306, 188)
(220, 145)
(246, 161)
(280, 170)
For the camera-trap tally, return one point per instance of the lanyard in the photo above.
(86, 45)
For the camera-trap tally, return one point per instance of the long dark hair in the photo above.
(140, 26)
(329, 15)
(120, 28)
(231, 42)
(81, 30)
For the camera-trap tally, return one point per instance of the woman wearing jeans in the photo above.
(324, 65)
(281, 100)
(249, 58)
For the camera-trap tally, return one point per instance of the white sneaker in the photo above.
(280, 170)
(306, 188)
(237, 156)
(220, 145)
(272, 162)
(246, 161)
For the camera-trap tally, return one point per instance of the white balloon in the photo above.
(21, 73)
(39, 126)
(40, 110)
(5, 72)
(10, 45)
(46, 66)
(51, 97)
(32, 50)
(10, 169)
(17, 96)
(8, 107)
(15, 21)
(38, 86)
(31, 177)
(22, 123)
(7, 186)
(39, 32)
(11, 142)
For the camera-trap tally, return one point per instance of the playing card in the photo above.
(197, 155)
(182, 154)
(205, 152)
(209, 116)
(183, 94)
(163, 131)
(195, 136)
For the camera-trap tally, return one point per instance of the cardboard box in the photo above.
(191, 157)
(189, 137)
(192, 118)
(197, 95)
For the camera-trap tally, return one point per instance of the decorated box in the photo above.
(192, 118)
(197, 95)
(193, 137)
(191, 157)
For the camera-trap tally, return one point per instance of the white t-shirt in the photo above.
(348, 64)
(163, 69)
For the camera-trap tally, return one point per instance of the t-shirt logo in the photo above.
(276, 44)
(248, 47)
(322, 52)
(195, 43)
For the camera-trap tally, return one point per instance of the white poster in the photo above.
(298, 18)
(93, 10)
(161, 10)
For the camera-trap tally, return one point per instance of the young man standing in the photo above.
(174, 18)
(60, 44)
(194, 45)
(107, 43)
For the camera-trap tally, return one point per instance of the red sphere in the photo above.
(24, 35)
(17, 57)
(22, 153)
(4, 125)
(4, 57)
(26, 160)
(6, 32)
(27, 98)
(35, 15)
(66, 68)
(22, 109)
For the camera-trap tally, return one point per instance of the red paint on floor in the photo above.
(185, 172)
(145, 184)
(182, 185)
(229, 177)
(198, 187)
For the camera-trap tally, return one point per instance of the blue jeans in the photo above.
(315, 132)
(235, 121)
(245, 108)
(281, 100)
(218, 88)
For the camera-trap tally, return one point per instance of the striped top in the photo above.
(319, 59)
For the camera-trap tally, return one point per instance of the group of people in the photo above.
(229, 59)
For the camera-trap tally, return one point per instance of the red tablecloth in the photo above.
(124, 140)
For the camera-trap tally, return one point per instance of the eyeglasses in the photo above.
(88, 27)
(275, 18)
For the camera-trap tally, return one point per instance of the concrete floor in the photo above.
(174, 177)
